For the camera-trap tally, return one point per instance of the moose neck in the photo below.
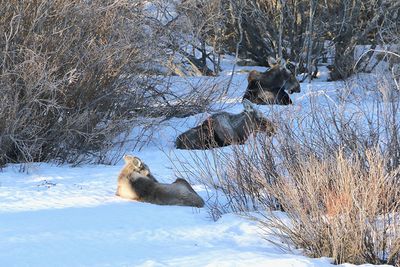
(243, 124)
(272, 79)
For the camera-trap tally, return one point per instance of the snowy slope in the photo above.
(63, 216)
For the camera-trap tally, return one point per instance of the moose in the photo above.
(223, 129)
(269, 87)
(135, 182)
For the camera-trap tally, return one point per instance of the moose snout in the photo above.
(295, 89)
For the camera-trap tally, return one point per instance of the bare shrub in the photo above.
(65, 76)
(333, 168)
(74, 75)
(231, 174)
(342, 207)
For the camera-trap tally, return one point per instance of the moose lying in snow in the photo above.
(269, 87)
(136, 182)
(223, 129)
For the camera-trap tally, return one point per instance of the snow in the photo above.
(69, 216)
(58, 215)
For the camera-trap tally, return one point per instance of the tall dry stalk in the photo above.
(342, 207)
(333, 168)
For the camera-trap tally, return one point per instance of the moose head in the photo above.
(269, 87)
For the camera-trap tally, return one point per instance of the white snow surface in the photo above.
(63, 216)
(69, 216)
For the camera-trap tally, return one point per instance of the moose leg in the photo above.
(283, 98)
(277, 97)
(250, 95)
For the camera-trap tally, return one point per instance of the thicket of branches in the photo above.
(301, 31)
(74, 75)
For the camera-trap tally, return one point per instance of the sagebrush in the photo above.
(333, 168)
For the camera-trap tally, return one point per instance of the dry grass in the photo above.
(341, 207)
(333, 169)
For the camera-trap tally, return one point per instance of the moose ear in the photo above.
(272, 62)
(259, 114)
(134, 160)
(127, 158)
(137, 162)
(248, 106)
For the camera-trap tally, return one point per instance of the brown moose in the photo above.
(136, 182)
(223, 129)
(269, 87)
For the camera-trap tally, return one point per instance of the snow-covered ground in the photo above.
(62, 216)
